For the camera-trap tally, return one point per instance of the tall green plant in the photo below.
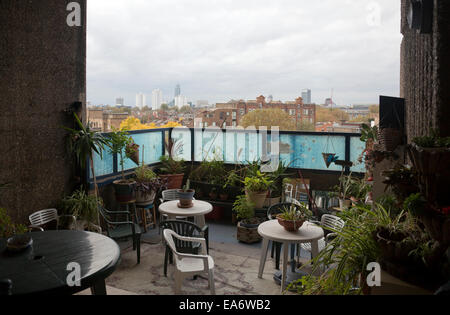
(82, 143)
(118, 140)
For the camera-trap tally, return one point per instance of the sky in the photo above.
(219, 50)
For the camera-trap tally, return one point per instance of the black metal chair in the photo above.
(121, 230)
(183, 228)
(271, 215)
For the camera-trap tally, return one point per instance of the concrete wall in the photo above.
(425, 73)
(42, 73)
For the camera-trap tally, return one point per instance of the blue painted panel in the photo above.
(182, 136)
(305, 151)
(152, 144)
(357, 147)
(103, 166)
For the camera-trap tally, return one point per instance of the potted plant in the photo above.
(8, 228)
(292, 218)
(148, 185)
(172, 170)
(247, 228)
(276, 188)
(84, 208)
(186, 195)
(256, 188)
(213, 193)
(435, 220)
(83, 143)
(124, 188)
(430, 156)
(343, 191)
(402, 179)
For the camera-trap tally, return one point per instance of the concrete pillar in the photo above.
(42, 74)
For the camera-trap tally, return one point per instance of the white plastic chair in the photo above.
(329, 222)
(189, 265)
(41, 218)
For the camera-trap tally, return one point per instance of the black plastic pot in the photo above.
(125, 191)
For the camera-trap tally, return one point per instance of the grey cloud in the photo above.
(223, 49)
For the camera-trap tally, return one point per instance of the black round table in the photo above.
(42, 269)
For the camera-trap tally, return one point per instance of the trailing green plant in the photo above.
(81, 205)
(244, 209)
(119, 140)
(7, 227)
(170, 166)
(258, 183)
(292, 213)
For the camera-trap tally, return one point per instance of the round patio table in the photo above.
(198, 211)
(43, 268)
(273, 231)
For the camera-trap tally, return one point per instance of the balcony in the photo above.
(298, 150)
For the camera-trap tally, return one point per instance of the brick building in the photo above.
(230, 114)
(104, 120)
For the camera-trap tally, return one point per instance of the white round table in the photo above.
(273, 231)
(198, 211)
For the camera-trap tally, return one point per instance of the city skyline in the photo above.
(230, 52)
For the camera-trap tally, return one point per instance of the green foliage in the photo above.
(432, 141)
(244, 209)
(323, 285)
(369, 133)
(212, 172)
(119, 140)
(258, 183)
(84, 142)
(171, 166)
(81, 205)
(415, 204)
(187, 186)
(144, 174)
(8, 228)
(293, 214)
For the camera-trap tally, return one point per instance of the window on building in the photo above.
(242, 112)
(234, 124)
(214, 124)
(234, 115)
(292, 112)
(306, 112)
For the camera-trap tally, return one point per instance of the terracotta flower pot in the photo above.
(258, 198)
(174, 181)
(290, 226)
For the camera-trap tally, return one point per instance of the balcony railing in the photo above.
(299, 150)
